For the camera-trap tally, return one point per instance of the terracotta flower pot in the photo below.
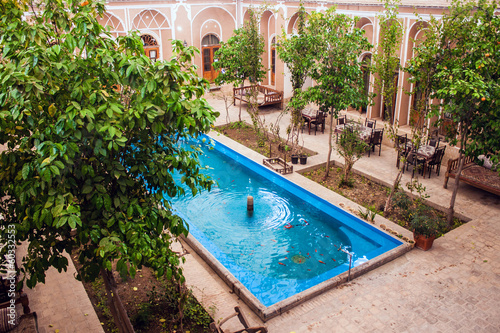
(423, 242)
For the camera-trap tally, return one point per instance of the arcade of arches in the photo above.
(204, 25)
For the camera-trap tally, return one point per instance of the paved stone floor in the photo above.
(454, 287)
(62, 304)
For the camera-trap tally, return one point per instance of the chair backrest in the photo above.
(320, 117)
(370, 123)
(342, 120)
(378, 135)
(401, 141)
(439, 154)
(434, 142)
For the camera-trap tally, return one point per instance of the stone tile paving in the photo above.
(62, 303)
(454, 287)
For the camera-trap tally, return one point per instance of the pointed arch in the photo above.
(115, 24)
(150, 19)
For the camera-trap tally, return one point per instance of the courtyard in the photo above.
(454, 287)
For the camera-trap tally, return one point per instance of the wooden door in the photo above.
(209, 72)
(152, 53)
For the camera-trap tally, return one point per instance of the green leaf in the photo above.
(86, 189)
(121, 225)
(72, 221)
(107, 202)
(57, 210)
(55, 170)
(100, 188)
(111, 222)
(25, 171)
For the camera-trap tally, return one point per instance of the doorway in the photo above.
(151, 47)
(365, 68)
(209, 45)
(273, 61)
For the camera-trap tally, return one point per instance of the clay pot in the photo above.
(423, 242)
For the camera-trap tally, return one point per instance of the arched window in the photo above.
(209, 45)
(150, 47)
(209, 40)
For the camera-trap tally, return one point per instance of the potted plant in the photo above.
(425, 228)
(303, 158)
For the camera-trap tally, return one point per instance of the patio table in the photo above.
(425, 152)
(364, 132)
(309, 114)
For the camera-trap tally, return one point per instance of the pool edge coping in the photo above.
(266, 313)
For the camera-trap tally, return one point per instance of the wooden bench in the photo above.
(265, 95)
(474, 175)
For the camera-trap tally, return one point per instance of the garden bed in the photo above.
(245, 134)
(151, 304)
(363, 191)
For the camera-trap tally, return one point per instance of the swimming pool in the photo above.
(293, 241)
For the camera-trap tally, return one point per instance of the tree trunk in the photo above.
(330, 138)
(115, 304)
(463, 139)
(347, 170)
(395, 185)
(241, 100)
(451, 209)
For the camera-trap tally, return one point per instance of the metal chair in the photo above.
(216, 328)
(370, 123)
(436, 160)
(434, 142)
(319, 120)
(416, 162)
(341, 120)
(376, 140)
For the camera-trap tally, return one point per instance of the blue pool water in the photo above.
(292, 240)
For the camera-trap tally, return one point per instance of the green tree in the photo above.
(351, 148)
(336, 70)
(240, 58)
(386, 64)
(90, 127)
(385, 59)
(467, 79)
(295, 51)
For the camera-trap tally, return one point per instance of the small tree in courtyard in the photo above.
(295, 51)
(467, 78)
(336, 70)
(240, 58)
(351, 147)
(386, 64)
(90, 127)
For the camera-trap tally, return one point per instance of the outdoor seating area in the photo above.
(423, 158)
(367, 132)
(265, 95)
(312, 116)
